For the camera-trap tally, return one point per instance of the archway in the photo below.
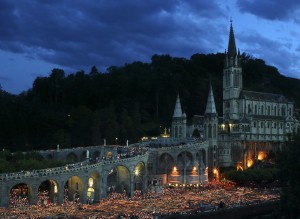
(72, 158)
(108, 155)
(73, 189)
(48, 192)
(184, 162)
(93, 191)
(20, 195)
(83, 156)
(203, 158)
(118, 180)
(166, 161)
(96, 156)
(139, 174)
(196, 133)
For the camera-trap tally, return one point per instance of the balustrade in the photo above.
(66, 169)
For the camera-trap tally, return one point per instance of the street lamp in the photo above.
(116, 141)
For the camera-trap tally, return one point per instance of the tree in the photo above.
(290, 169)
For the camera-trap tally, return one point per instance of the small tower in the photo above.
(232, 79)
(211, 118)
(211, 132)
(178, 121)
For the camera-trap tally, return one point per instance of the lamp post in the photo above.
(116, 141)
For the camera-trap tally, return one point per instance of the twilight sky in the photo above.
(39, 35)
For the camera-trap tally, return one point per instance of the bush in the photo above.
(252, 175)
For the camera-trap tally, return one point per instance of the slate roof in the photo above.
(252, 95)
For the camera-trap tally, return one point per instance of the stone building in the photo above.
(253, 123)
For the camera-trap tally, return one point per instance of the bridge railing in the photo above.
(82, 166)
(183, 146)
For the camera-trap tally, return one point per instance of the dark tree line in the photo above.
(127, 102)
(290, 167)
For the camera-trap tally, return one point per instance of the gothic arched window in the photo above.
(209, 131)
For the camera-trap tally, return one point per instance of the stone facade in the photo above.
(252, 122)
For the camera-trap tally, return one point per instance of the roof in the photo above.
(177, 109)
(231, 44)
(252, 95)
(210, 105)
(196, 119)
(266, 117)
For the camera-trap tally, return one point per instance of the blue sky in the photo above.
(37, 36)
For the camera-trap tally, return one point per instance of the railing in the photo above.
(67, 169)
(185, 146)
(77, 148)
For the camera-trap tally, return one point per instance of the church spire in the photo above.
(177, 110)
(210, 106)
(231, 44)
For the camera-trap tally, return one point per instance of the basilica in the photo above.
(251, 125)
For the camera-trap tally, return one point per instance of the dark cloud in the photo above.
(271, 9)
(75, 33)
(274, 52)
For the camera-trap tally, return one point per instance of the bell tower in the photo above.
(232, 79)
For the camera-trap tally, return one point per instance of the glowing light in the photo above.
(194, 168)
(136, 172)
(239, 167)
(250, 163)
(216, 174)
(89, 193)
(55, 189)
(174, 169)
(223, 126)
(145, 138)
(91, 182)
(261, 155)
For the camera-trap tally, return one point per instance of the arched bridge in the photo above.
(83, 181)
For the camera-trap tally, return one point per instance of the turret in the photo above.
(211, 132)
(178, 121)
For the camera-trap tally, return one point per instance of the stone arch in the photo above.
(96, 155)
(73, 190)
(72, 157)
(83, 156)
(201, 159)
(139, 175)
(20, 195)
(108, 155)
(196, 133)
(214, 133)
(176, 132)
(93, 187)
(209, 131)
(185, 161)
(118, 179)
(165, 163)
(48, 192)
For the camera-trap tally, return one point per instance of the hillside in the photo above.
(125, 102)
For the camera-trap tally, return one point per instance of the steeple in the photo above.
(232, 79)
(179, 121)
(231, 44)
(232, 57)
(210, 105)
(177, 110)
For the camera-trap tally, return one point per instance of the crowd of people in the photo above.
(183, 199)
